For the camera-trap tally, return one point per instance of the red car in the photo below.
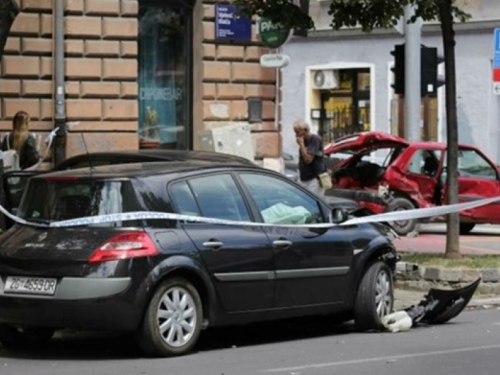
(386, 173)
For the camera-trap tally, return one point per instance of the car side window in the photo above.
(472, 164)
(184, 199)
(425, 162)
(280, 202)
(219, 197)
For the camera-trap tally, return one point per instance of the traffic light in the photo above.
(429, 78)
(399, 69)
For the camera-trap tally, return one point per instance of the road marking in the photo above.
(379, 359)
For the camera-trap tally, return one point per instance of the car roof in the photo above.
(132, 170)
(150, 155)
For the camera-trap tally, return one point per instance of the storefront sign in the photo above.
(271, 34)
(274, 60)
(230, 26)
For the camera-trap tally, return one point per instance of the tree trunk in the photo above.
(8, 12)
(453, 231)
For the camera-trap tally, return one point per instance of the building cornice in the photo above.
(483, 26)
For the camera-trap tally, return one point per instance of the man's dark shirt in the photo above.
(314, 146)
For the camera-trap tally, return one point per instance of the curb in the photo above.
(412, 276)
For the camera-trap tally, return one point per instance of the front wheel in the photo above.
(375, 297)
(22, 337)
(172, 323)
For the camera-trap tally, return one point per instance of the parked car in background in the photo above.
(166, 280)
(412, 175)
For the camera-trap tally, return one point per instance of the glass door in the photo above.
(164, 74)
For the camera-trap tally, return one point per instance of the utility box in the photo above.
(231, 139)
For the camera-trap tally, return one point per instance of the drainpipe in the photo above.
(59, 91)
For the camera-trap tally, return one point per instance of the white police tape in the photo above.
(148, 215)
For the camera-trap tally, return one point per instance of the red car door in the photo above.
(422, 175)
(478, 178)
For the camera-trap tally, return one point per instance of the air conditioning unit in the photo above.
(325, 79)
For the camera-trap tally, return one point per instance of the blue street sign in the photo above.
(230, 26)
(496, 60)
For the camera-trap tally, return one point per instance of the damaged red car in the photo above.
(385, 173)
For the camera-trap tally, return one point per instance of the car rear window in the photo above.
(55, 200)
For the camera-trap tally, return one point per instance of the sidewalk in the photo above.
(477, 244)
(484, 240)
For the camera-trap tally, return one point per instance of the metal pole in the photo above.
(59, 94)
(412, 75)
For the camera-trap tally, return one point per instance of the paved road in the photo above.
(468, 345)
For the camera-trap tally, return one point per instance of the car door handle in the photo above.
(282, 243)
(215, 245)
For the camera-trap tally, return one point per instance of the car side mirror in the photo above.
(338, 215)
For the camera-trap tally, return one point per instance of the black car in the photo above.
(14, 182)
(167, 279)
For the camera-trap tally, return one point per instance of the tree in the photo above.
(8, 12)
(371, 14)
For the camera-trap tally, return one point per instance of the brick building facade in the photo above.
(102, 75)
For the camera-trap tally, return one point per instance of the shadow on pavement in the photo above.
(80, 345)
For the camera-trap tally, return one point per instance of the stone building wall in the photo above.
(101, 70)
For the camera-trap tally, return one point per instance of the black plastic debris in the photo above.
(438, 306)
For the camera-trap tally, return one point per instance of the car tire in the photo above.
(375, 297)
(466, 228)
(402, 227)
(23, 338)
(176, 300)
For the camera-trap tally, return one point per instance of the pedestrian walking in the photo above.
(19, 147)
(313, 173)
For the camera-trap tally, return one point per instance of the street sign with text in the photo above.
(230, 26)
(496, 56)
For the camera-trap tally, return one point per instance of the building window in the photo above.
(165, 74)
(345, 107)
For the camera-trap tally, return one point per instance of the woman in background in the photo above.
(21, 141)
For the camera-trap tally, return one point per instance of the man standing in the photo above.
(311, 158)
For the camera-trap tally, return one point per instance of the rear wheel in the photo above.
(375, 297)
(173, 319)
(466, 228)
(22, 337)
(402, 227)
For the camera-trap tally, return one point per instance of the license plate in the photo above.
(30, 285)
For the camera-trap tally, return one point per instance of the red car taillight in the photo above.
(124, 246)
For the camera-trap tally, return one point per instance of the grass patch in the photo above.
(475, 261)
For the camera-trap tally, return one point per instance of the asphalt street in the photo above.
(470, 344)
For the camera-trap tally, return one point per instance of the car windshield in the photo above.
(70, 199)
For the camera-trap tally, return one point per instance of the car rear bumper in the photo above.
(78, 303)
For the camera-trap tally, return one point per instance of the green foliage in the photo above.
(367, 14)
(280, 12)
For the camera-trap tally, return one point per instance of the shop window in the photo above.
(165, 74)
(346, 108)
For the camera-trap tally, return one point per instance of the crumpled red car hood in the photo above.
(361, 141)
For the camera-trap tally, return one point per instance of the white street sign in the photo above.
(496, 88)
(274, 60)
